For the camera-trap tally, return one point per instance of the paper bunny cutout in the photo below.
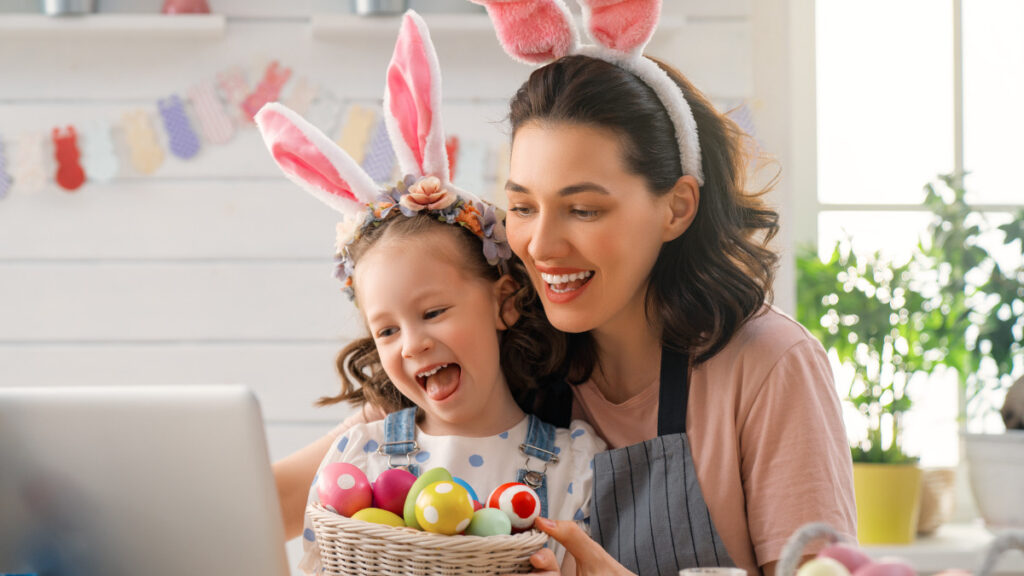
(541, 31)
(412, 112)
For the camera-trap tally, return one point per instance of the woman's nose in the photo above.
(547, 241)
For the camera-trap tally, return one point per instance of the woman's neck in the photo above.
(629, 356)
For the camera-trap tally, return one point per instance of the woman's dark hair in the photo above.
(530, 344)
(718, 274)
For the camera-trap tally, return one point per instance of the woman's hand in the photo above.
(591, 559)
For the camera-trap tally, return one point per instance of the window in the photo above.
(907, 90)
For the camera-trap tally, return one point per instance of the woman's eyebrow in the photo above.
(511, 186)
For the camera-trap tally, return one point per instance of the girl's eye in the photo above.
(385, 332)
(430, 314)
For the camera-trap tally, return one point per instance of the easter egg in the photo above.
(444, 508)
(343, 488)
(489, 522)
(379, 516)
(427, 478)
(477, 505)
(464, 484)
(823, 567)
(850, 556)
(886, 567)
(391, 488)
(517, 500)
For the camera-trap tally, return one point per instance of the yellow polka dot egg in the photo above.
(444, 508)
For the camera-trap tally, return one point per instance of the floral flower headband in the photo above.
(425, 196)
(412, 114)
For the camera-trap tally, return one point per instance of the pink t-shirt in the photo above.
(766, 430)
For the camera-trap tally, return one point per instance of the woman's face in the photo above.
(588, 230)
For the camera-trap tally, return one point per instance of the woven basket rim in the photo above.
(530, 540)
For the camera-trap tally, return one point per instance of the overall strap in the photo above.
(400, 439)
(539, 444)
(673, 392)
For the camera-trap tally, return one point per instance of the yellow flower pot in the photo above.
(888, 498)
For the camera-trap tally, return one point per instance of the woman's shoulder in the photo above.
(769, 335)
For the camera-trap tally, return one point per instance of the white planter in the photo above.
(995, 465)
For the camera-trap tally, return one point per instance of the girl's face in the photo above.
(436, 326)
(588, 230)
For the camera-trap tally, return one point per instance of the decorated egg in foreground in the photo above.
(429, 477)
(464, 484)
(343, 488)
(489, 522)
(379, 516)
(519, 502)
(391, 488)
(444, 508)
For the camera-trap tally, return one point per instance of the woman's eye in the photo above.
(521, 210)
(585, 213)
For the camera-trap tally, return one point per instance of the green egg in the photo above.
(378, 516)
(489, 522)
(427, 478)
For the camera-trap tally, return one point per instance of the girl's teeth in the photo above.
(432, 372)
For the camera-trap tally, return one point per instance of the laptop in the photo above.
(112, 481)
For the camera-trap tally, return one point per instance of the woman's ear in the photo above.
(505, 312)
(683, 201)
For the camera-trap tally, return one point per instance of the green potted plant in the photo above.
(869, 315)
(953, 303)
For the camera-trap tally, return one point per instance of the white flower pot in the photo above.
(995, 466)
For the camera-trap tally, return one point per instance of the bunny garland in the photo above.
(412, 112)
(541, 31)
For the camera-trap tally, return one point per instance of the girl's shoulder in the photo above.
(580, 439)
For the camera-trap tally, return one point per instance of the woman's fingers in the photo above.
(590, 557)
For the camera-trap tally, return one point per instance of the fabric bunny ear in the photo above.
(533, 31)
(313, 161)
(622, 25)
(412, 102)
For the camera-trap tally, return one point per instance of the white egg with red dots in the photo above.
(343, 488)
(519, 502)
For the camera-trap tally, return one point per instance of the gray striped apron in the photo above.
(647, 509)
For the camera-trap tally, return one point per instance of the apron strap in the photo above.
(400, 439)
(673, 392)
(539, 444)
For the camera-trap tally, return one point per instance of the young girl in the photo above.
(453, 323)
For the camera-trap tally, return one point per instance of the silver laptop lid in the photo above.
(136, 480)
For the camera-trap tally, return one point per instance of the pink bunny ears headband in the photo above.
(541, 31)
(412, 114)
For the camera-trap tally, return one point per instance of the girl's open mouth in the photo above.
(441, 381)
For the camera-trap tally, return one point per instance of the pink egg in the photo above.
(847, 555)
(886, 567)
(343, 488)
(391, 488)
(519, 502)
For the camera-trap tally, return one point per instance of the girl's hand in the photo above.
(591, 559)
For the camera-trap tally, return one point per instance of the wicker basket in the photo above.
(352, 547)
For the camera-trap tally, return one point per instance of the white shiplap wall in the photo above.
(216, 269)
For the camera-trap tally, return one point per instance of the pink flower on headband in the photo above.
(427, 194)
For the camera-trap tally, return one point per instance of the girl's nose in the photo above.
(416, 342)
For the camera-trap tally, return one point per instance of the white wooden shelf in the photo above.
(353, 27)
(951, 546)
(189, 26)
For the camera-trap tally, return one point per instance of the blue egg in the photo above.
(468, 488)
